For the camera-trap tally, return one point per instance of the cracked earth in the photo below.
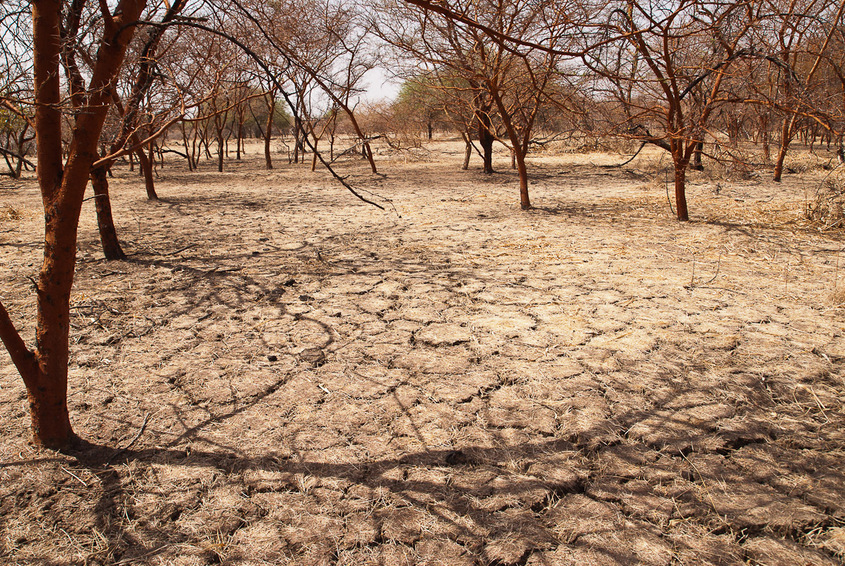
(282, 374)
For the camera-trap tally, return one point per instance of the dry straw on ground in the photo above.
(280, 374)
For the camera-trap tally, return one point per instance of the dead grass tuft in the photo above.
(827, 209)
(10, 213)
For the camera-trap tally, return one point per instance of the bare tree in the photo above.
(666, 63)
(62, 183)
(321, 45)
(486, 47)
(16, 116)
(799, 38)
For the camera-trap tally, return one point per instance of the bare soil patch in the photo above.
(281, 374)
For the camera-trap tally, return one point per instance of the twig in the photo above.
(131, 442)
(636, 153)
(180, 250)
(693, 284)
(74, 476)
(140, 432)
(666, 184)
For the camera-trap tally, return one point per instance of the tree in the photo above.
(316, 45)
(418, 104)
(667, 63)
(62, 184)
(798, 36)
(16, 133)
(487, 45)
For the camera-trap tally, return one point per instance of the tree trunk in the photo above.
(681, 190)
(221, 149)
(486, 139)
(187, 149)
(268, 136)
(785, 138)
(146, 167)
(105, 221)
(696, 157)
(45, 370)
(298, 132)
(767, 152)
(486, 142)
(467, 150)
(519, 157)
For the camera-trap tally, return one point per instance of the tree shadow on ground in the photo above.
(624, 477)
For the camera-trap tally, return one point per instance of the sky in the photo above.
(381, 87)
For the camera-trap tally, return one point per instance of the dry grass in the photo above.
(280, 374)
(10, 214)
(826, 209)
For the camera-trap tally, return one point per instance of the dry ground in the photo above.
(281, 374)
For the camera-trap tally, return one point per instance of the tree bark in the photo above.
(785, 138)
(148, 167)
(486, 139)
(105, 221)
(44, 371)
(268, 134)
(524, 201)
(696, 157)
(681, 191)
(467, 150)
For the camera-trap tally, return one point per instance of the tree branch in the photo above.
(21, 356)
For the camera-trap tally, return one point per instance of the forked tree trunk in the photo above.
(485, 140)
(696, 157)
(187, 148)
(45, 370)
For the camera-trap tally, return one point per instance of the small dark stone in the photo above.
(272, 358)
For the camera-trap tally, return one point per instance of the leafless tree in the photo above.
(487, 49)
(666, 64)
(800, 39)
(62, 183)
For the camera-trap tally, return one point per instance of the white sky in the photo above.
(380, 86)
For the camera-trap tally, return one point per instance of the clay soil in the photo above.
(283, 374)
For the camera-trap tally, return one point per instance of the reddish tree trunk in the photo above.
(524, 201)
(681, 191)
(105, 220)
(147, 166)
(785, 139)
(44, 371)
(268, 136)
